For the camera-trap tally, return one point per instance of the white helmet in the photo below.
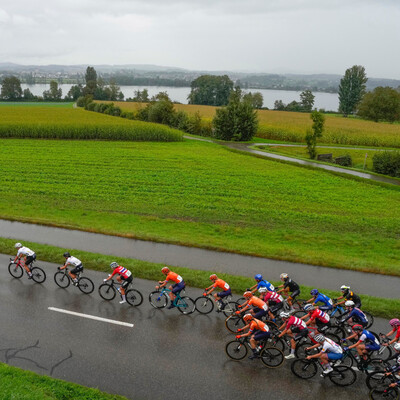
(284, 276)
(343, 288)
(319, 338)
(262, 289)
(349, 303)
(397, 346)
(114, 265)
(284, 314)
(17, 245)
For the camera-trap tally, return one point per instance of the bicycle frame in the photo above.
(178, 297)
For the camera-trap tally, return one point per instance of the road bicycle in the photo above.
(63, 280)
(159, 299)
(385, 392)
(235, 322)
(109, 289)
(382, 378)
(16, 270)
(205, 304)
(341, 375)
(271, 357)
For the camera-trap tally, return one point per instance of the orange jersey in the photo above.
(256, 324)
(221, 284)
(257, 302)
(172, 276)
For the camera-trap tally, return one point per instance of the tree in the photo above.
(256, 99)
(315, 132)
(11, 89)
(279, 105)
(382, 104)
(307, 100)
(75, 92)
(54, 93)
(28, 95)
(237, 121)
(351, 89)
(91, 81)
(294, 106)
(210, 90)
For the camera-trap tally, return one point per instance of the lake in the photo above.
(327, 101)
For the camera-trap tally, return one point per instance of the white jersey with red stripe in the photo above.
(296, 322)
(273, 296)
(122, 271)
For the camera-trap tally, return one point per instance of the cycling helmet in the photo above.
(344, 288)
(284, 276)
(284, 314)
(17, 245)
(262, 289)
(314, 292)
(247, 317)
(319, 338)
(394, 322)
(165, 270)
(349, 303)
(309, 307)
(258, 277)
(114, 265)
(66, 254)
(213, 277)
(397, 346)
(247, 294)
(357, 328)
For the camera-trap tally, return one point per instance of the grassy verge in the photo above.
(18, 384)
(386, 308)
(200, 194)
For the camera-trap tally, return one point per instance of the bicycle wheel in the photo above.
(301, 352)
(38, 275)
(271, 357)
(204, 305)
(158, 299)
(61, 279)
(384, 394)
(276, 342)
(15, 270)
(338, 331)
(378, 379)
(185, 305)
(298, 304)
(384, 353)
(236, 350)
(233, 323)
(342, 376)
(332, 336)
(106, 291)
(85, 285)
(299, 313)
(304, 369)
(370, 319)
(134, 297)
(240, 301)
(230, 308)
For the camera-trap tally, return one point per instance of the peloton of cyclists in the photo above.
(27, 255)
(75, 263)
(124, 278)
(289, 286)
(366, 341)
(175, 288)
(258, 330)
(218, 283)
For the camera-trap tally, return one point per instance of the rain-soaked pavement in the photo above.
(320, 277)
(165, 355)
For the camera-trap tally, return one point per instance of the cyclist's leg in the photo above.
(27, 264)
(175, 290)
(74, 272)
(221, 296)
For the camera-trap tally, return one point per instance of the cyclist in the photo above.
(75, 263)
(260, 308)
(347, 294)
(28, 256)
(366, 341)
(261, 283)
(226, 290)
(395, 324)
(290, 326)
(125, 278)
(289, 286)
(319, 297)
(396, 356)
(317, 317)
(253, 324)
(274, 301)
(175, 288)
(330, 351)
(354, 315)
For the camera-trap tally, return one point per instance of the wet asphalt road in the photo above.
(165, 355)
(209, 260)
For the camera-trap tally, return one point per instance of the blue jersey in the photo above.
(369, 338)
(266, 284)
(357, 315)
(323, 299)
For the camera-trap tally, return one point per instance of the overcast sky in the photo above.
(296, 36)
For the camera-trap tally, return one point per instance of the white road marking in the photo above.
(110, 321)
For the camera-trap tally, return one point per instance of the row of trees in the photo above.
(305, 104)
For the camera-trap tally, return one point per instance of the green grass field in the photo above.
(200, 194)
(18, 384)
(36, 104)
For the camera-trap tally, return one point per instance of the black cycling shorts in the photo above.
(78, 268)
(276, 307)
(295, 294)
(30, 259)
(301, 333)
(126, 282)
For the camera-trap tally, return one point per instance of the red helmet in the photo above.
(247, 317)
(247, 294)
(357, 328)
(165, 270)
(213, 277)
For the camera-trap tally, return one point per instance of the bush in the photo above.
(127, 115)
(387, 163)
(90, 106)
(181, 121)
(161, 112)
(344, 161)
